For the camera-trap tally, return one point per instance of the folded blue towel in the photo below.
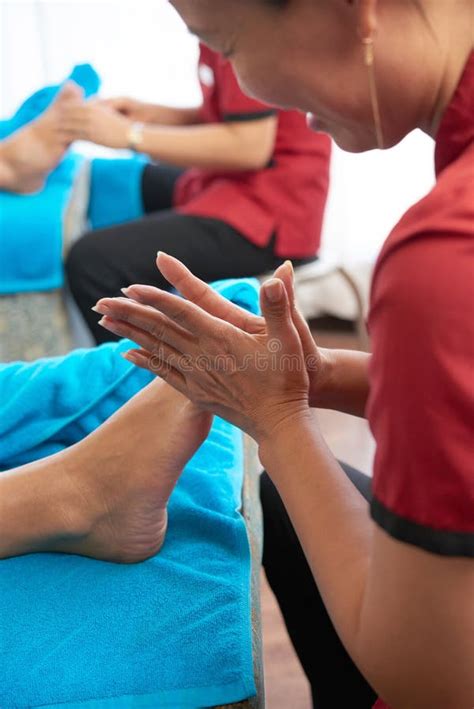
(31, 232)
(116, 190)
(83, 74)
(31, 226)
(173, 631)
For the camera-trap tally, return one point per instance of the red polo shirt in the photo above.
(287, 198)
(421, 406)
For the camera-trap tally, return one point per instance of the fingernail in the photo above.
(101, 309)
(273, 290)
(125, 290)
(290, 264)
(101, 322)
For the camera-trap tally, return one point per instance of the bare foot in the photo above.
(29, 155)
(126, 470)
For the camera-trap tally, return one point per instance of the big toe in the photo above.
(70, 91)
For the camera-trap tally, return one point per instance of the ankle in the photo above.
(16, 171)
(78, 493)
(40, 509)
(8, 172)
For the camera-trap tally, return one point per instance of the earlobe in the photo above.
(366, 18)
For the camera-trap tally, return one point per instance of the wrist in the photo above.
(322, 380)
(134, 140)
(152, 114)
(287, 436)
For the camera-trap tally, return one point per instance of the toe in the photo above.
(70, 91)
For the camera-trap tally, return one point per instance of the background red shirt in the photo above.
(287, 198)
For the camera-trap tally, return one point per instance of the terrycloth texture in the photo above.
(173, 631)
(116, 191)
(31, 226)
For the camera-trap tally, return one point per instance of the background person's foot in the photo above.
(29, 155)
(125, 473)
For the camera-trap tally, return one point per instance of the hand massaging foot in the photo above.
(106, 496)
(29, 155)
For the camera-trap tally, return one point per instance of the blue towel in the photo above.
(83, 74)
(116, 190)
(31, 232)
(173, 631)
(31, 226)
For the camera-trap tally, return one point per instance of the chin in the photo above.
(345, 139)
(348, 140)
(352, 143)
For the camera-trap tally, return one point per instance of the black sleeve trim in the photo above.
(236, 117)
(436, 541)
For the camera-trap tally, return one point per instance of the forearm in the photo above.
(170, 116)
(214, 146)
(330, 517)
(374, 587)
(345, 385)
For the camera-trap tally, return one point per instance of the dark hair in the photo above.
(418, 6)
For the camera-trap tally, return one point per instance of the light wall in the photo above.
(141, 48)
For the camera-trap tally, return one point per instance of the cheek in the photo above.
(341, 106)
(266, 82)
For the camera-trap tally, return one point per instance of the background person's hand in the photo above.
(131, 108)
(255, 381)
(96, 123)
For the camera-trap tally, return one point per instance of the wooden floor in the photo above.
(350, 440)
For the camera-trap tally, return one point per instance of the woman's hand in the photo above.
(257, 381)
(97, 123)
(201, 294)
(131, 108)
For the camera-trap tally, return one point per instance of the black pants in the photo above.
(103, 261)
(335, 681)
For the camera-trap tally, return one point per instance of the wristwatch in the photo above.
(135, 136)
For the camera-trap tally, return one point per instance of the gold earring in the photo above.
(369, 61)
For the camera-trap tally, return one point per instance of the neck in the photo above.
(452, 68)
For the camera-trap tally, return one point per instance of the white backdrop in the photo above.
(141, 48)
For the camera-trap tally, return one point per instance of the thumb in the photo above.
(119, 104)
(286, 274)
(276, 309)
